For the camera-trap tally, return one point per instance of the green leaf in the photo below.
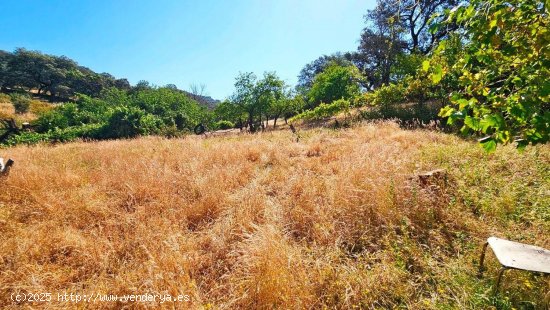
(446, 111)
(434, 28)
(472, 122)
(462, 103)
(425, 65)
(437, 74)
(488, 144)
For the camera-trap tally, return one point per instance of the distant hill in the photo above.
(207, 101)
(59, 78)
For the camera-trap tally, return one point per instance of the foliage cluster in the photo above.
(503, 76)
(5, 98)
(257, 100)
(117, 114)
(324, 110)
(333, 83)
(224, 124)
(60, 77)
(21, 102)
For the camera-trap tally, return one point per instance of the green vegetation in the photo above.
(503, 89)
(58, 77)
(485, 62)
(21, 102)
(335, 82)
(322, 218)
(257, 100)
(224, 124)
(324, 110)
(117, 114)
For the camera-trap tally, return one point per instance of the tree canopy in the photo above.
(335, 82)
(57, 76)
(503, 89)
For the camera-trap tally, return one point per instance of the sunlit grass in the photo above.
(263, 221)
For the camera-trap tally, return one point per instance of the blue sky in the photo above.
(183, 42)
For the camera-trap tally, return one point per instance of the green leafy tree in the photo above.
(4, 69)
(256, 97)
(395, 30)
(335, 82)
(309, 71)
(231, 112)
(504, 75)
(59, 76)
(270, 93)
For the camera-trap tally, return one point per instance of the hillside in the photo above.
(265, 221)
(206, 101)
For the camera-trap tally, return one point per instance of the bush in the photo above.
(5, 98)
(62, 116)
(422, 113)
(27, 138)
(334, 83)
(324, 111)
(388, 95)
(224, 125)
(91, 131)
(128, 122)
(21, 103)
(360, 100)
(173, 132)
(117, 114)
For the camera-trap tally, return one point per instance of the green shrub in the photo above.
(413, 112)
(128, 122)
(324, 111)
(5, 98)
(27, 138)
(360, 100)
(334, 83)
(224, 125)
(119, 114)
(21, 103)
(90, 131)
(62, 116)
(173, 132)
(388, 95)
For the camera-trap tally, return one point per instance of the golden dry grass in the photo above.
(262, 221)
(36, 108)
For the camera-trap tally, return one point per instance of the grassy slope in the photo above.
(264, 221)
(36, 107)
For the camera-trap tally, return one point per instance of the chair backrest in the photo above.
(5, 168)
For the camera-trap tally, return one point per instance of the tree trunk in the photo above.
(251, 122)
(275, 120)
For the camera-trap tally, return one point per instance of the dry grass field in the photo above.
(265, 222)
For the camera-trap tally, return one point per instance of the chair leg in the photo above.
(481, 260)
(500, 274)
